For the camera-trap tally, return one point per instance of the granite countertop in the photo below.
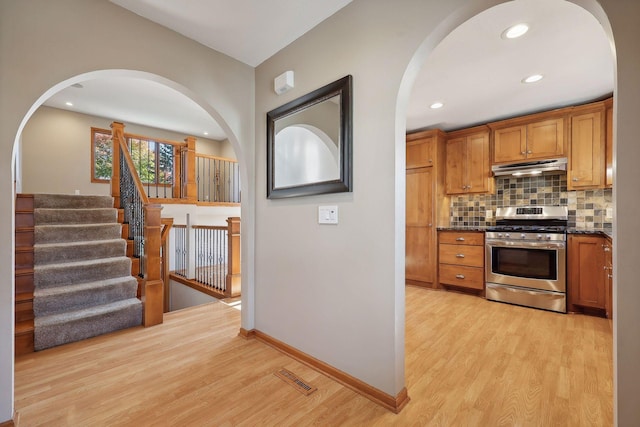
(462, 228)
(570, 230)
(607, 233)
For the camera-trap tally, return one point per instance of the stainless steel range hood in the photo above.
(533, 168)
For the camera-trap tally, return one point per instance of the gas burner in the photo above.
(529, 228)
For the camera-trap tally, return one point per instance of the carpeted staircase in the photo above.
(82, 277)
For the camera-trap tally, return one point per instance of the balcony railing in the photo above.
(218, 179)
(208, 257)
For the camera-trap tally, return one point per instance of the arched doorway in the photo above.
(433, 42)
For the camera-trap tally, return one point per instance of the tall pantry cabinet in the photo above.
(427, 205)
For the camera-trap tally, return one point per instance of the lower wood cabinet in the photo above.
(461, 259)
(589, 274)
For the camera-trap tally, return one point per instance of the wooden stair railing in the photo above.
(202, 279)
(143, 226)
(24, 274)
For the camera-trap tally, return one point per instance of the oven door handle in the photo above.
(521, 244)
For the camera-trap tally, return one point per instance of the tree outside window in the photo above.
(153, 160)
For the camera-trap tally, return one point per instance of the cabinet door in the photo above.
(609, 148)
(509, 144)
(545, 139)
(420, 260)
(478, 166)
(455, 171)
(587, 160)
(420, 153)
(586, 264)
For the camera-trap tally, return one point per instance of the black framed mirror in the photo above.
(309, 143)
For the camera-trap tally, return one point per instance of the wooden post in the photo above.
(153, 289)
(177, 168)
(233, 288)
(117, 131)
(191, 188)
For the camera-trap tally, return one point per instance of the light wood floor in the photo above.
(469, 362)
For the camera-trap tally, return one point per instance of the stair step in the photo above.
(70, 201)
(44, 216)
(52, 275)
(74, 233)
(75, 297)
(77, 325)
(51, 253)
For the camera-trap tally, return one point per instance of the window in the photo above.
(101, 155)
(152, 159)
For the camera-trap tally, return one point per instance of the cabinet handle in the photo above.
(459, 255)
(575, 179)
(430, 160)
(523, 152)
(430, 224)
(528, 151)
(610, 276)
(459, 276)
(459, 239)
(606, 248)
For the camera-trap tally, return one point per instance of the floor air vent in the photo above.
(292, 379)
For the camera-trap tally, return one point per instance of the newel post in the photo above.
(153, 288)
(233, 258)
(117, 132)
(190, 185)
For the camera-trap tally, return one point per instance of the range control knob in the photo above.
(524, 236)
(499, 235)
(539, 236)
(548, 236)
(506, 235)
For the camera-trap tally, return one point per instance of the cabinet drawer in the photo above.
(461, 238)
(472, 256)
(467, 277)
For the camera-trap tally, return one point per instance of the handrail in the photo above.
(209, 156)
(210, 227)
(118, 138)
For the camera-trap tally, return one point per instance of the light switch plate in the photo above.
(327, 214)
(488, 213)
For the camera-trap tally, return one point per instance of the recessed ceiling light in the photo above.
(70, 104)
(436, 105)
(515, 31)
(532, 78)
(206, 133)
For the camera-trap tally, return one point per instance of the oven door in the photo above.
(535, 265)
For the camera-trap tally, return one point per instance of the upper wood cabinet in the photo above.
(421, 152)
(609, 143)
(587, 153)
(528, 138)
(468, 168)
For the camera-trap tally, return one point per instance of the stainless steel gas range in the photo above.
(526, 257)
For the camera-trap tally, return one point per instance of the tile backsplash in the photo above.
(587, 208)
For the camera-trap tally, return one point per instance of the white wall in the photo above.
(47, 45)
(346, 282)
(56, 150)
(183, 296)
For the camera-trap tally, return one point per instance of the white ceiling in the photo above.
(474, 72)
